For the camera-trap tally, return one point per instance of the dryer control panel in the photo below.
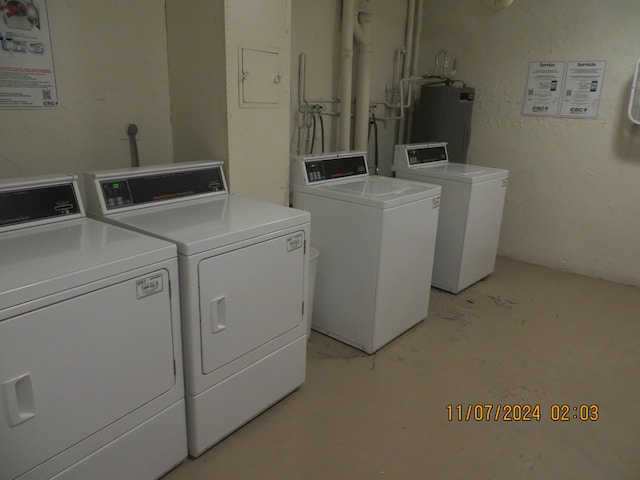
(38, 200)
(142, 187)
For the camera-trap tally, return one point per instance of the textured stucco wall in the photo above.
(573, 200)
(111, 69)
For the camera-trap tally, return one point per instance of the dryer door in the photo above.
(75, 367)
(250, 296)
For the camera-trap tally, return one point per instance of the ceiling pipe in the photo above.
(362, 32)
(346, 74)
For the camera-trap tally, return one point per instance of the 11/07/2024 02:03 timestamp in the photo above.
(514, 412)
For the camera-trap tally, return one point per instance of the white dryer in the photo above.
(90, 351)
(470, 214)
(376, 237)
(243, 269)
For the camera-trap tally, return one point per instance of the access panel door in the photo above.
(250, 296)
(74, 367)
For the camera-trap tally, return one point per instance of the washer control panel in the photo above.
(130, 191)
(420, 154)
(38, 202)
(322, 169)
(427, 154)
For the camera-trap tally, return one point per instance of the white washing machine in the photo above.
(243, 269)
(90, 349)
(376, 237)
(470, 214)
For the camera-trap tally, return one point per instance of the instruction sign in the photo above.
(544, 88)
(27, 78)
(564, 88)
(582, 88)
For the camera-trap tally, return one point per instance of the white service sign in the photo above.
(27, 78)
(582, 88)
(544, 88)
(564, 88)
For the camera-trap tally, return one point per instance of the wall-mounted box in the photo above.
(259, 77)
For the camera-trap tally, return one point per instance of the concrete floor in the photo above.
(525, 335)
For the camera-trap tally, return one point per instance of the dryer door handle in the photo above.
(218, 307)
(19, 402)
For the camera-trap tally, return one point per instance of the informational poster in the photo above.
(582, 88)
(544, 88)
(27, 77)
(564, 89)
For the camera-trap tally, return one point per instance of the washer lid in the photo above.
(201, 225)
(47, 259)
(459, 172)
(376, 191)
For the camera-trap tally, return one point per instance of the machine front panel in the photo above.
(249, 297)
(81, 365)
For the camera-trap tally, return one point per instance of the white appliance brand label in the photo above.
(295, 242)
(149, 286)
(435, 203)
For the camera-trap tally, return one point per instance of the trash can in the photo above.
(313, 265)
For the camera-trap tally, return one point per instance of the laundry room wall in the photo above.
(111, 69)
(229, 70)
(316, 30)
(573, 201)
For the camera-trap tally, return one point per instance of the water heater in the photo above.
(443, 114)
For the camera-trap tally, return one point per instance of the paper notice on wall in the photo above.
(582, 89)
(544, 88)
(27, 77)
(564, 89)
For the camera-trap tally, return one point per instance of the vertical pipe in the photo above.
(302, 71)
(408, 39)
(414, 62)
(302, 77)
(346, 74)
(416, 38)
(132, 130)
(363, 81)
(408, 42)
(395, 84)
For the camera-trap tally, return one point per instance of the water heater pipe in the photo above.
(363, 81)
(346, 74)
